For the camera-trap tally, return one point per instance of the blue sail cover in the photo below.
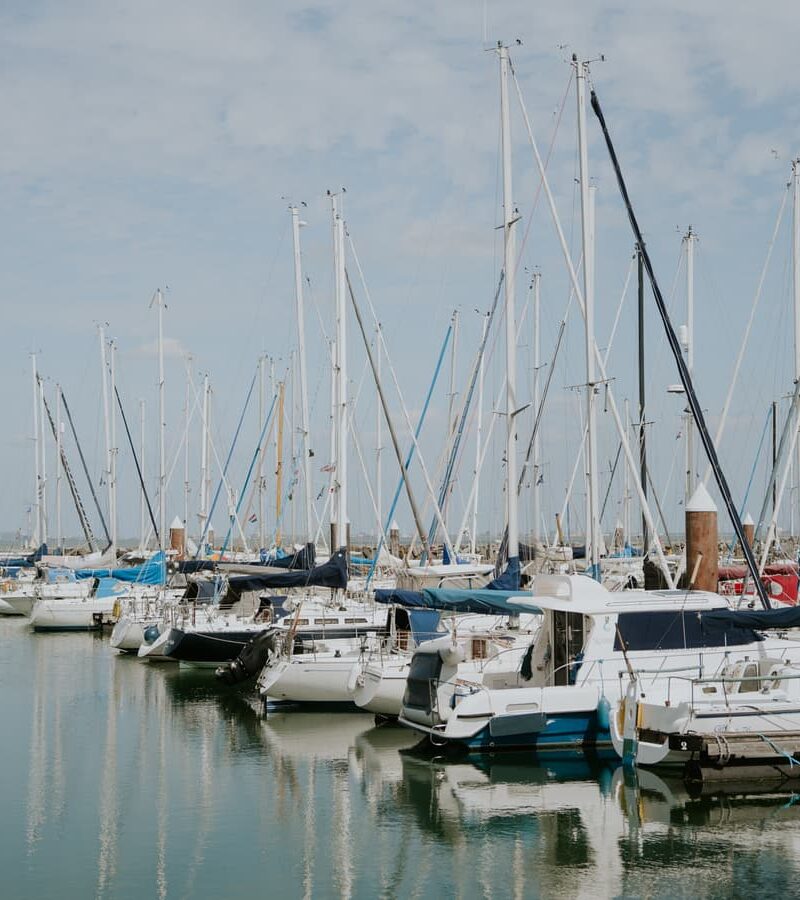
(722, 621)
(482, 600)
(109, 587)
(332, 574)
(154, 571)
(399, 597)
(509, 580)
(26, 562)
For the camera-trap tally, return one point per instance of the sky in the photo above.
(160, 145)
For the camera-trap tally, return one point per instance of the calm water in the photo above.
(127, 780)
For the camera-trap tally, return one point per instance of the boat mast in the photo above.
(260, 473)
(642, 437)
(689, 239)
(592, 529)
(510, 217)
(279, 466)
(142, 436)
(187, 419)
(536, 511)
(626, 486)
(301, 361)
(101, 332)
(162, 428)
(378, 427)
(36, 537)
(341, 352)
(204, 480)
(796, 290)
(59, 450)
(43, 462)
(112, 490)
(478, 443)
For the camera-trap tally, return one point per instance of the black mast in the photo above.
(686, 379)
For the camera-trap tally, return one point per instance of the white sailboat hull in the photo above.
(379, 689)
(72, 614)
(320, 680)
(128, 635)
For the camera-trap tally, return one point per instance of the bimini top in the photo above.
(582, 594)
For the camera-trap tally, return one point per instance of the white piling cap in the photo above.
(701, 501)
(748, 520)
(177, 524)
(394, 526)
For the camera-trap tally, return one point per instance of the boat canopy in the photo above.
(482, 600)
(680, 630)
(304, 558)
(332, 574)
(154, 571)
(424, 624)
(724, 619)
(25, 562)
(110, 587)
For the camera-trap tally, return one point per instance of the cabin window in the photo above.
(326, 621)
(356, 621)
(301, 622)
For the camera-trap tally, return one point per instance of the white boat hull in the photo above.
(314, 681)
(128, 635)
(72, 614)
(379, 689)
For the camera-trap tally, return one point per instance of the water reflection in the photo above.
(128, 780)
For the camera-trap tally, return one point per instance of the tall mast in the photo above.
(293, 444)
(796, 286)
(510, 217)
(478, 442)
(143, 458)
(626, 486)
(162, 428)
(37, 518)
(207, 512)
(204, 460)
(537, 494)
(186, 419)
(260, 474)
(101, 332)
(378, 427)
(59, 465)
(112, 462)
(689, 239)
(301, 361)
(279, 466)
(642, 439)
(273, 387)
(341, 352)
(43, 462)
(593, 525)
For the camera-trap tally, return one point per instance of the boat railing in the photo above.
(724, 679)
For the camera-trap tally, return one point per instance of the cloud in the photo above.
(173, 349)
(149, 144)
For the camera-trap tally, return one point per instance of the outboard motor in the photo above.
(250, 661)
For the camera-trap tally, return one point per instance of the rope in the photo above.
(792, 760)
